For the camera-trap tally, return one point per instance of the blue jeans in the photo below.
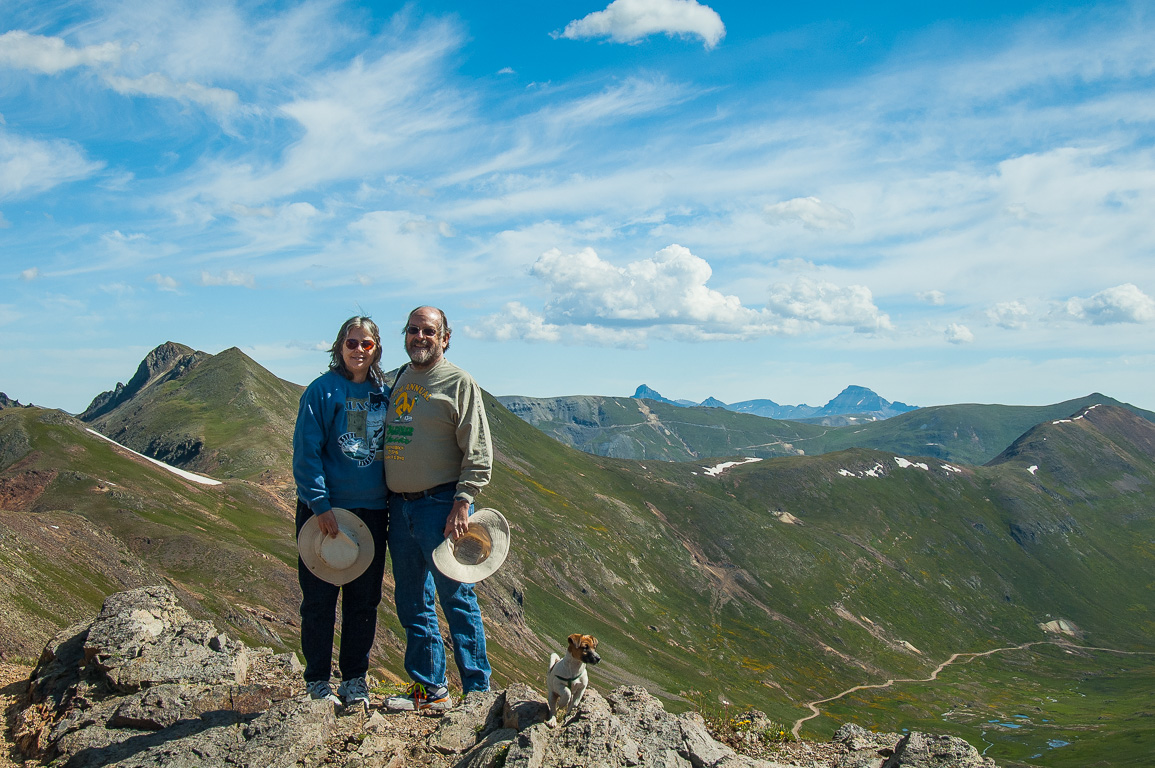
(416, 528)
(359, 601)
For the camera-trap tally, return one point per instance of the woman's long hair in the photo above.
(337, 360)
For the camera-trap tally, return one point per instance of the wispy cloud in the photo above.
(28, 166)
(49, 55)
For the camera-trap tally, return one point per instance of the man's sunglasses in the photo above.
(365, 344)
(414, 330)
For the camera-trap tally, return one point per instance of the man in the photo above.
(437, 458)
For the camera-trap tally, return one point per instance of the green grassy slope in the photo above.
(773, 583)
(226, 416)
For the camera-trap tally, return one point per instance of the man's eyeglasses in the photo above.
(413, 330)
(365, 344)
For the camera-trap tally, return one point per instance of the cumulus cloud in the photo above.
(30, 165)
(667, 296)
(828, 304)
(1121, 304)
(228, 277)
(1011, 315)
(628, 21)
(959, 334)
(934, 298)
(812, 212)
(164, 282)
(516, 321)
(49, 55)
(30, 274)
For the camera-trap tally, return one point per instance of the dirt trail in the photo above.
(815, 711)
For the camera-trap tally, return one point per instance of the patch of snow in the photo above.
(846, 473)
(905, 463)
(715, 471)
(1033, 468)
(875, 471)
(949, 468)
(176, 471)
(1062, 421)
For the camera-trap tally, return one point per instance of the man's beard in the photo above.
(422, 355)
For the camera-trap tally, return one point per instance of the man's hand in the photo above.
(327, 522)
(458, 521)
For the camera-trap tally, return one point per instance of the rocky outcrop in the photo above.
(146, 685)
(7, 402)
(167, 361)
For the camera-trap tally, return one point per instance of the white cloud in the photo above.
(217, 99)
(812, 212)
(828, 304)
(21, 50)
(228, 277)
(666, 289)
(628, 21)
(30, 274)
(933, 297)
(515, 321)
(1121, 304)
(959, 334)
(30, 165)
(164, 282)
(1011, 315)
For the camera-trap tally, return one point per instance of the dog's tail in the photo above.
(553, 659)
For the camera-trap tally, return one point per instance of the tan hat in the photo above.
(340, 559)
(479, 552)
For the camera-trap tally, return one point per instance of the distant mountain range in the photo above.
(770, 583)
(853, 405)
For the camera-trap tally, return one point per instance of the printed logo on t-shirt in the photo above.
(365, 422)
(398, 433)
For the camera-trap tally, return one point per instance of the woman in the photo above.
(337, 462)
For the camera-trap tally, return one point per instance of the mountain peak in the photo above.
(643, 392)
(164, 361)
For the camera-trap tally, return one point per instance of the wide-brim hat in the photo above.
(479, 552)
(340, 559)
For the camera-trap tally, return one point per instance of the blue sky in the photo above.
(734, 199)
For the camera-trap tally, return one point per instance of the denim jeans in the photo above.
(359, 601)
(416, 528)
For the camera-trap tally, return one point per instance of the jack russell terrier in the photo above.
(567, 678)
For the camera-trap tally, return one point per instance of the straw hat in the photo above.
(479, 552)
(341, 559)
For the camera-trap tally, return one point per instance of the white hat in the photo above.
(479, 552)
(340, 559)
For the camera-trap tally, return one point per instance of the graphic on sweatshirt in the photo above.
(365, 422)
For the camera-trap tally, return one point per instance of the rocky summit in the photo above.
(144, 684)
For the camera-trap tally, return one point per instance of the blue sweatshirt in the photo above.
(337, 445)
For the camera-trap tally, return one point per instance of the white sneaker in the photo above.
(355, 691)
(320, 689)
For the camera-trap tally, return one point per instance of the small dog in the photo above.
(567, 679)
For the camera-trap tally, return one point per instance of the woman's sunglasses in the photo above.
(365, 344)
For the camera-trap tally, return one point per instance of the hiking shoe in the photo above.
(320, 689)
(418, 698)
(355, 691)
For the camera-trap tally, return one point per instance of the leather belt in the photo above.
(415, 495)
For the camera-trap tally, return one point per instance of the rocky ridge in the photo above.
(144, 684)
